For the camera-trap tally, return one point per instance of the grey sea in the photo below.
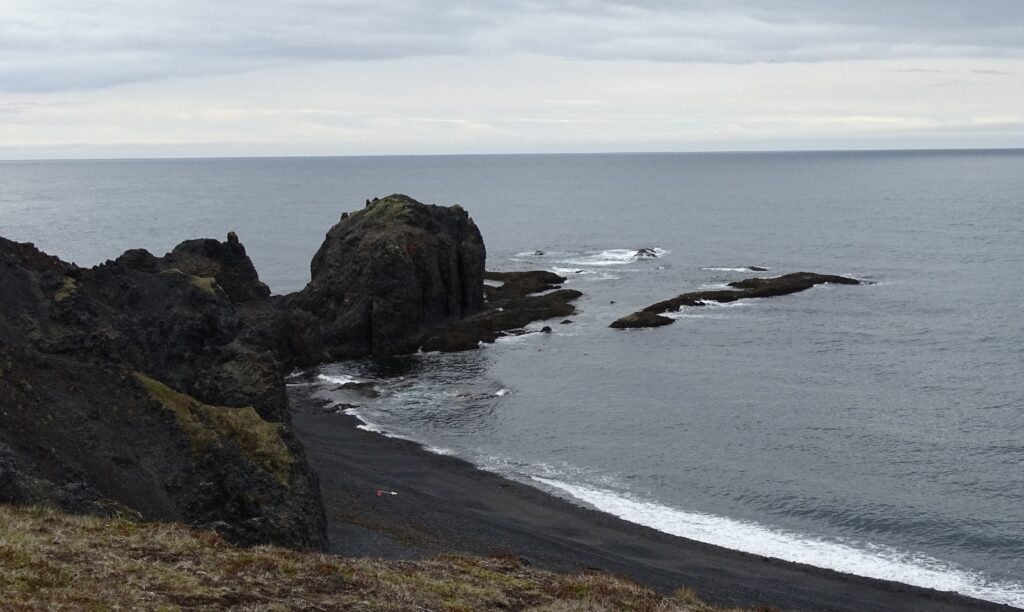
(876, 429)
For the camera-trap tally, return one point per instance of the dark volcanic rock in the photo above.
(123, 389)
(225, 262)
(386, 273)
(520, 284)
(496, 321)
(153, 386)
(641, 319)
(401, 276)
(790, 283)
(748, 288)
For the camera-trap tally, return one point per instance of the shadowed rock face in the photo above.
(123, 388)
(747, 289)
(154, 385)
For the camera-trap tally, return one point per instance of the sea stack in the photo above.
(387, 272)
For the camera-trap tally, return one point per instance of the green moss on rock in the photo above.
(67, 288)
(208, 426)
(206, 284)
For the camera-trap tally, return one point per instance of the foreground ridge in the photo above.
(53, 560)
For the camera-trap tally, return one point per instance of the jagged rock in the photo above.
(83, 433)
(226, 262)
(748, 288)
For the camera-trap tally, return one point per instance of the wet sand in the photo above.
(445, 505)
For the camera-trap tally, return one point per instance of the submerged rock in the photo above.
(748, 288)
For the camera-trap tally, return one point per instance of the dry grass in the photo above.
(54, 561)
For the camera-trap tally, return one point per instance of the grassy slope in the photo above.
(50, 560)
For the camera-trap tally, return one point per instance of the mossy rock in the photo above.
(208, 426)
(68, 288)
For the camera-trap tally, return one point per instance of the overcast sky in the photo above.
(113, 78)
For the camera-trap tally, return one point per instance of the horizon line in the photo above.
(519, 154)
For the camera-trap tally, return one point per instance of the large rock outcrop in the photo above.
(154, 386)
(387, 272)
(123, 388)
(400, 276)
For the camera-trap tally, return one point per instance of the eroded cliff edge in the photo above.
(153, 386)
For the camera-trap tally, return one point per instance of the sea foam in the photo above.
(612, 257)
(868, 560)
(337, 379)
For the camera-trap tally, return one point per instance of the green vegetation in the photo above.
(50, 560)
(392, 209)
(206, 284)
(68, 287)
(207, 426)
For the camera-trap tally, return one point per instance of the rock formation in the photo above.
(387, 272)
(748, 288)
(153, 386)
(123, 389)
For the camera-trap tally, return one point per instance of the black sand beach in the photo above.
(445, 505)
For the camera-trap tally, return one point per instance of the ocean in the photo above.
(874, 429)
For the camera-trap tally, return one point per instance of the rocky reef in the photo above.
(153, 386)
(651, 316)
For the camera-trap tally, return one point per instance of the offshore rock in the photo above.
(748, 289)
(641, 319)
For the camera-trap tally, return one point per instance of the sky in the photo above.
(196, 78)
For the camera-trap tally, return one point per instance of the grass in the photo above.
(53, 561)
(207, 426)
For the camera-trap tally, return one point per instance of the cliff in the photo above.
(153, 386)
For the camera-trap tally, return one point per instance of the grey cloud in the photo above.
(48, 45)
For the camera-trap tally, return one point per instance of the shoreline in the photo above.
(444, 504)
